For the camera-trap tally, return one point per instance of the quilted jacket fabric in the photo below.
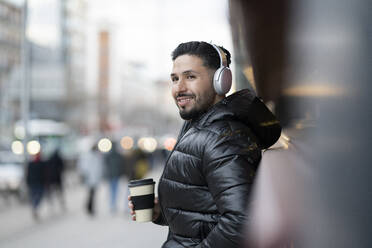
(205, 187)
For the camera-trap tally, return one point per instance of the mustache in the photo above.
(184, 94)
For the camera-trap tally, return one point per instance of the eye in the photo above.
(174, 79)
(190, 77)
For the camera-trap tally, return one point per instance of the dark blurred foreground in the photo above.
(311, 62)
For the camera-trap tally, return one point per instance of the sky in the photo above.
(145, 32)
(148, 30)
(43, 17)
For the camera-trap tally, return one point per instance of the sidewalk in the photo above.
(74, 228)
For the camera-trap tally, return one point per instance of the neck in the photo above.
(218, 98)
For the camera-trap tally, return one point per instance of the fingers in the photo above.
(131, 207)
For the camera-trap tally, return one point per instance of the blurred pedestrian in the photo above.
(90, 165)
(55, 168)
(36, 179)
(114, 168)
(141, 164)
(207, 180)
(129, 157)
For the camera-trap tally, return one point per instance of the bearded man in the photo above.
(205, 189)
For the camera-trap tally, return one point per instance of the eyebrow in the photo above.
(185, 72)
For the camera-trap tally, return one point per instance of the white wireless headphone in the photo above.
(222, 77)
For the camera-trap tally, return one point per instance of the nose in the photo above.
(181, 86)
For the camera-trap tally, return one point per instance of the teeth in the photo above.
(184, 100)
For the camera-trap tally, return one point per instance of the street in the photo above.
(73, 227)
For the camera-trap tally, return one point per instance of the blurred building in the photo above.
(58, 72)
(133, 96)
(10, 38)
(56, 66)
(73, 24)
(48, 87)
(10, 54)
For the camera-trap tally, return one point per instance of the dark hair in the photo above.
(203, 50)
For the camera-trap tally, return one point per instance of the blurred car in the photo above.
(12, 175)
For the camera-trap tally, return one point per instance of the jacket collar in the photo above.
(244, 106)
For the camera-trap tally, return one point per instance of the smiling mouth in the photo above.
(182, 101)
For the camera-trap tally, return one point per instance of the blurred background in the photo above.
(89, 81)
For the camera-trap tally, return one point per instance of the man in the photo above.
(205, 187)
(55, 168)
(114, 168)
(36, 180)
(90, 165)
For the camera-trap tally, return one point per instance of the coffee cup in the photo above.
(142, 197)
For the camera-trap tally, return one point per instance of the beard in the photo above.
(202, 104)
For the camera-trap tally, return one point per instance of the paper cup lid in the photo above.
(141, 182)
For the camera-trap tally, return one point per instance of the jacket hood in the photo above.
(246, 107)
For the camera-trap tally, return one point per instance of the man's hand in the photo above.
(156, 211)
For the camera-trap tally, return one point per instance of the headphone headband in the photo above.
(221, 54)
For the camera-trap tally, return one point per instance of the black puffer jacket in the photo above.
(206, 183)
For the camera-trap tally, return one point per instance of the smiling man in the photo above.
(204, 191)
(192, 88)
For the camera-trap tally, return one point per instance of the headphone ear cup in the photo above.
(222, 80)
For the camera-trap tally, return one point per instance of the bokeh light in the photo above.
(19, 132)
(104, 145)
(169, 143)
(126, 143)
(147, 144)
(17, 147)
(33, 147)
